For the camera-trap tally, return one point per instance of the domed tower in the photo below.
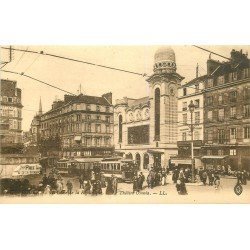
(163, 85)
(164, 60)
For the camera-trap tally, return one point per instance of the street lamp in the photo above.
(191, 108)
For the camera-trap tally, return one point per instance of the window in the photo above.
(220, 99)
(157, 114)
(233, 96)
(107, 129)
(88, 127)
(221, 135)
(78, 117)
(98, 117)
(197, 117)
(184, 136)
(197, 88)
(220, 152)
(107, 119)
(98, 142)
(246, 93)
(232, 133)
(88, 107)
(88, 141)
(77, 127)
(184, 118)
(232, 151)
(184, 91)
(196, 135)
(220, 79)
(197, 103)
(107, 141)
(209, 100)
(107, 109)
(88, 117)
(246, 110)
(246, 132)
(233, 112)
(210, 136)
(98, 128)
(210, 82)
(209, 152)
(210, 115)
(120, 128)
(221, 114)
(98, 108)
(184, 106)
(10, 99)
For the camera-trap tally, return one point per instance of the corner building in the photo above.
(145, 129)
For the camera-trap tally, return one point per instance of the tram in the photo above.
(77, 166)
(123, 169)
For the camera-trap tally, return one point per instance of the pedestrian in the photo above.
(135, 184)
(81, 181)
(181, 187)
(141, 179)
(45, 181)
(87, 188)
(244, 177)
(47, 190)
(69, 187)
(210, 177)
(239, 177)
(109, 189)
(164, 177)
(216, 181)
(204, 177)
(114, 184)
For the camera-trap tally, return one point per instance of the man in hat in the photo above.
(69, 187)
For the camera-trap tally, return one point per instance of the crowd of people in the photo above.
(95, 183)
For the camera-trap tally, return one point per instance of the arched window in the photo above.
(120, 128)
(138, 160)
(145, 161)
(129, 156)
(157, 114)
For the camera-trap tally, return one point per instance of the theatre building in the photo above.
(145, 129)
(227, 112)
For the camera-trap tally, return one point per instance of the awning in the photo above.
(150, 151)
(78, 138)
(214, 157)
(87, 160)
(181, 161)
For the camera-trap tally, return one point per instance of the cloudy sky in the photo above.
(94, 80)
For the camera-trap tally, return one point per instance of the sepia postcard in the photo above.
(125, 124)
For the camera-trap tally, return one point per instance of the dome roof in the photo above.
(164, 54)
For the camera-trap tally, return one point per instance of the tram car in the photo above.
(78, 166)
(123, 169)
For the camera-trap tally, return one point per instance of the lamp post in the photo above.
(191, 108)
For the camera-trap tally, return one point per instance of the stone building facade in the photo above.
(191, 91)
(10, 117)
(145, 129)
(78, 126)
(227, 112)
